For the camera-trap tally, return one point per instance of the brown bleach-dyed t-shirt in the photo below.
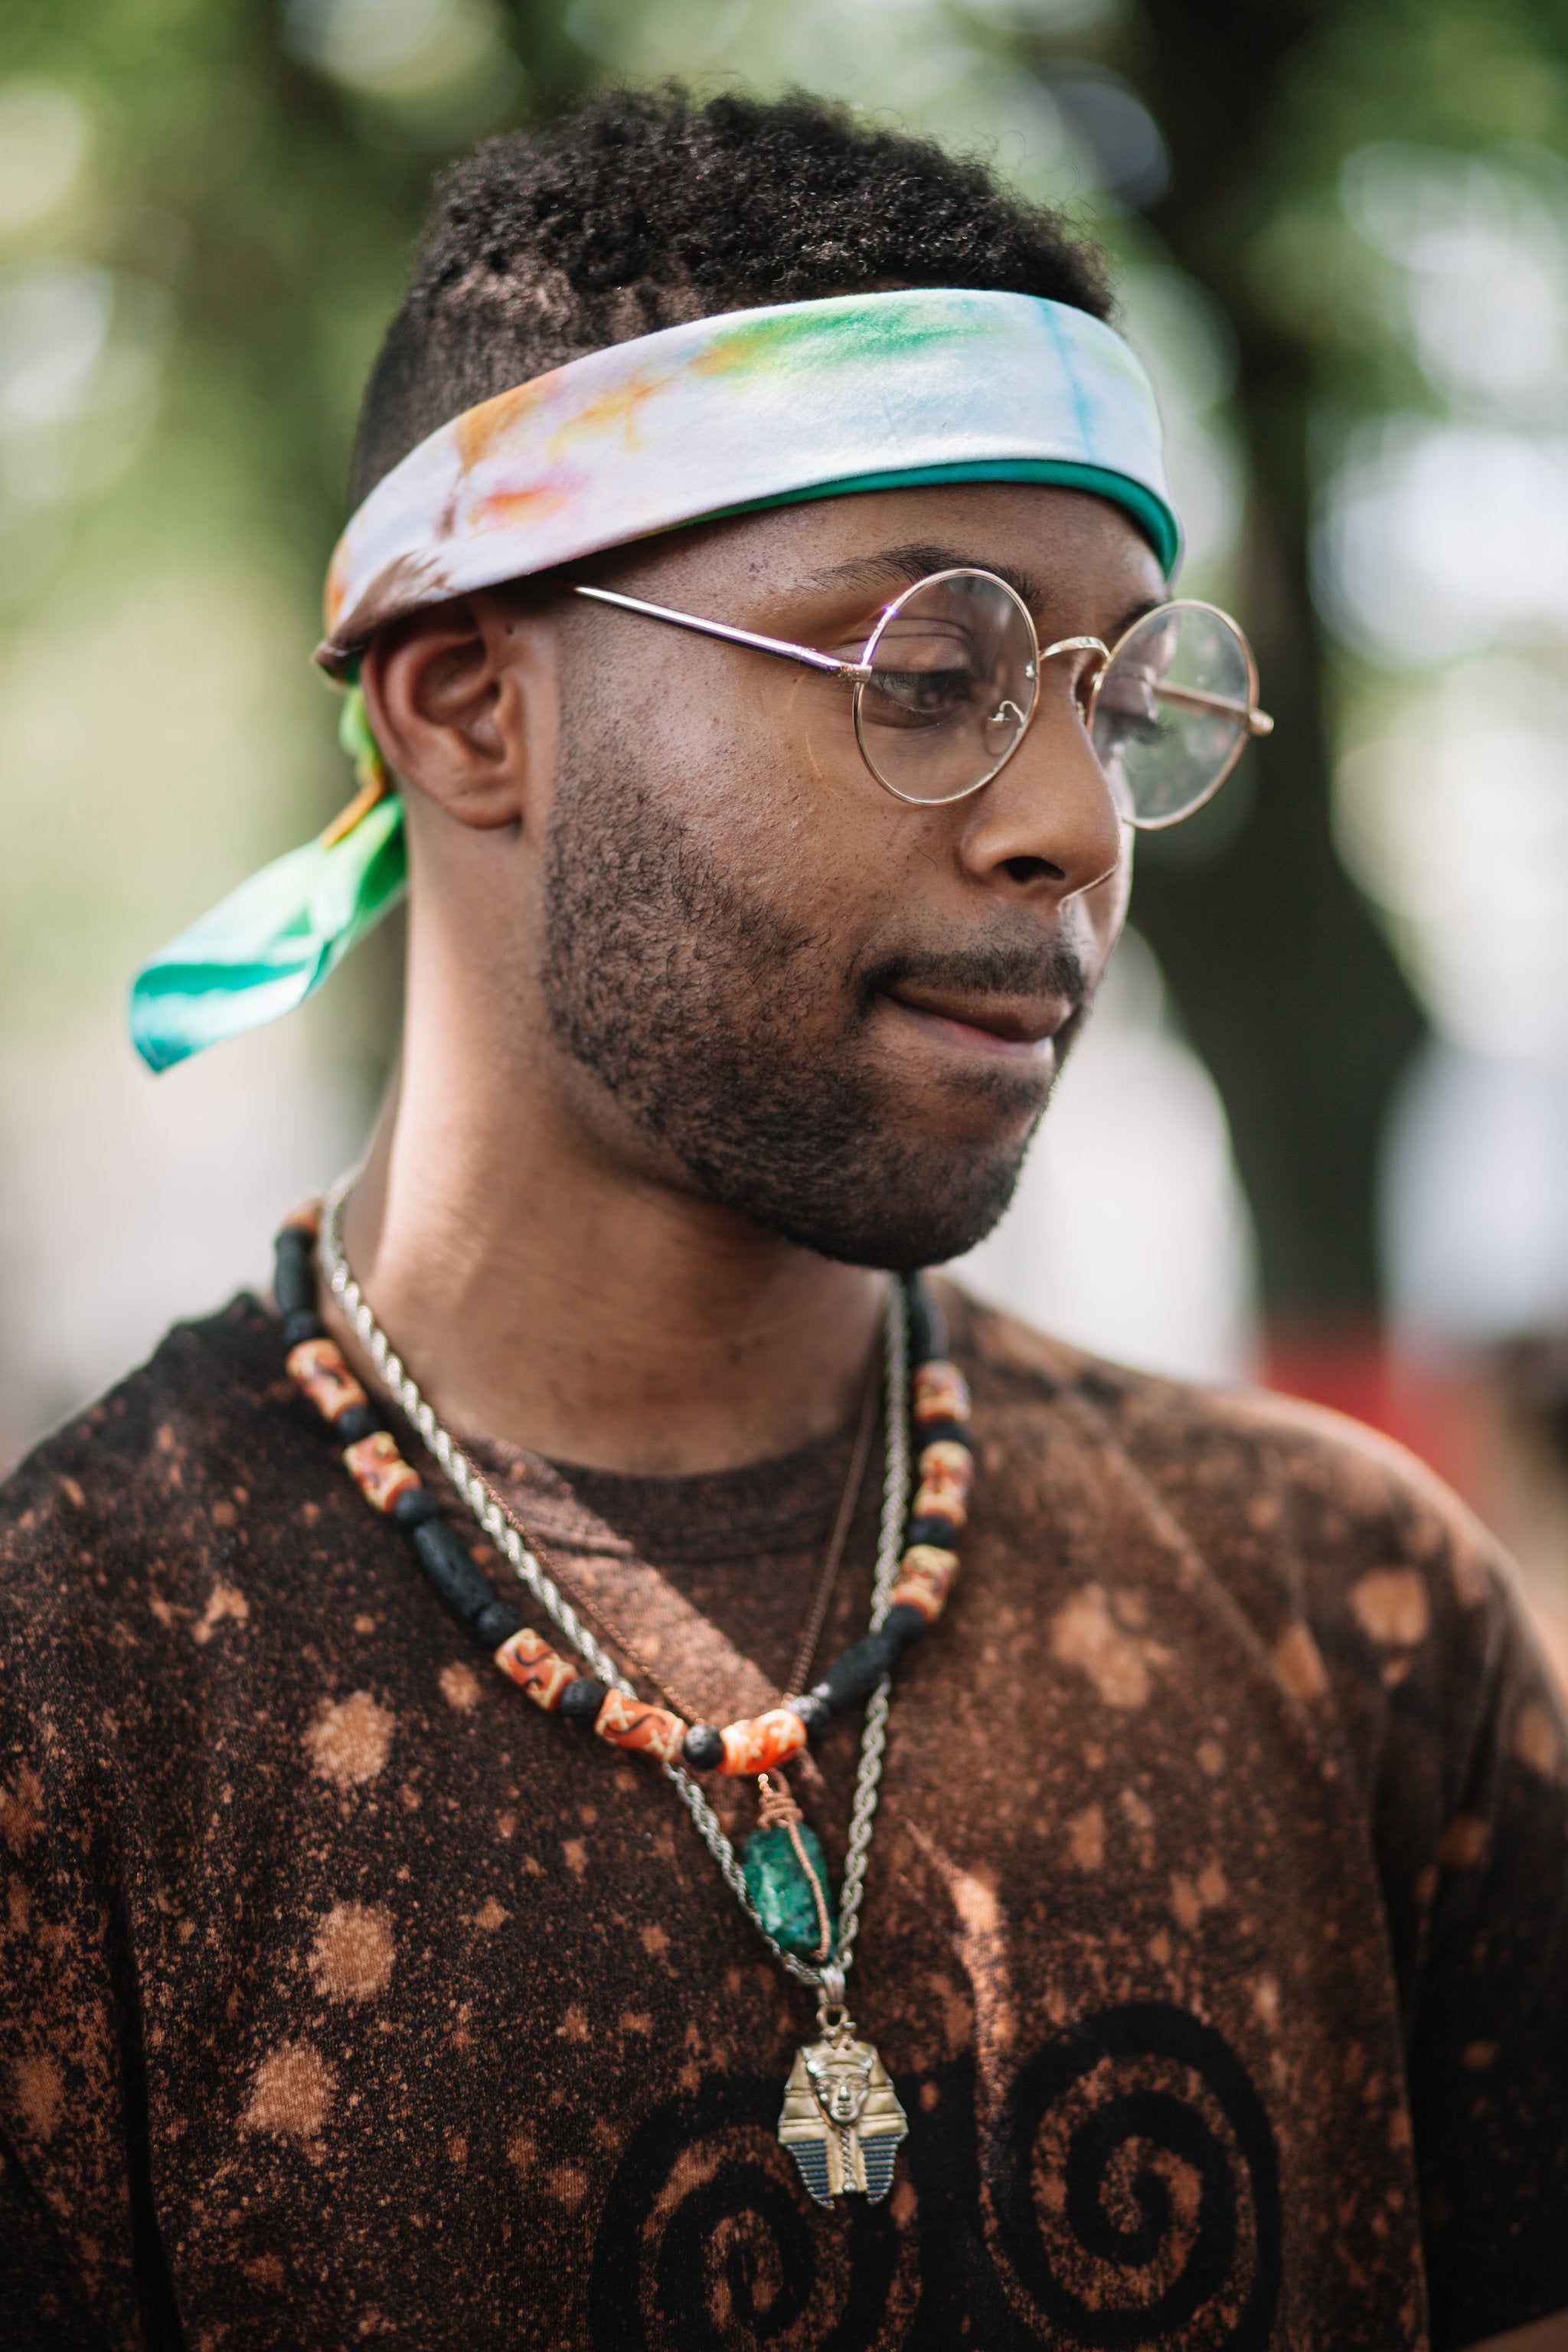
(1215, 1929)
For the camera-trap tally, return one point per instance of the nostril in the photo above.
(1033, 869)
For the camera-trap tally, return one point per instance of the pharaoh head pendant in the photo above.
(841, 2122)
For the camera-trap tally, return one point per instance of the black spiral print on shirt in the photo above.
(1133, 2186)
(1137, 2187)
(708, 2243)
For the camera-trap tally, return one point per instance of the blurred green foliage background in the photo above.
(1342, 227)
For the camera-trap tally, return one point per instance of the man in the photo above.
(1207, 1980)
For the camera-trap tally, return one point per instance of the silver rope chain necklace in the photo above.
(841, 2121)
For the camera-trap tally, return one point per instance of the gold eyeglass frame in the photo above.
(860, 674)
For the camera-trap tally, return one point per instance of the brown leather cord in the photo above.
(832, 1558)
(611, 1634)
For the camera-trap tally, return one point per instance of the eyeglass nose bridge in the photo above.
(1096, 674)
(1043, 653)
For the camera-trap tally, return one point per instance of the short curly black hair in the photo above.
(645, 208)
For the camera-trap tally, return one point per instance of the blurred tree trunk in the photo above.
(1283, 979)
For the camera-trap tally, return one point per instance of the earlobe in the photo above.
(462, 700)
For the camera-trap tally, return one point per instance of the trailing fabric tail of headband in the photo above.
(718, 417)
(269, 944)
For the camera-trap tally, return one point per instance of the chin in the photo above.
(903, 1217)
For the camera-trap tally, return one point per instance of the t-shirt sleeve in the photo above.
(1488, 2029)
(42, 2306)
(78, 2259)
(1451, 1723)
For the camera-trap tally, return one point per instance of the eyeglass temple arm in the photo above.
(1258, 722)
(1193, 697)
(779, 645)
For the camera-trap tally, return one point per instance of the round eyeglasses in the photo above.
(949, 680)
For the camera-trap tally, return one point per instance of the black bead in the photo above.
(302, 1326)
(580, 1701)
(905, 1623)
(703, 1748)
(453, 1570)
(415, 1505)
(941, 1433)
(928, 1325)
(294, 1271)
(858, 1670)
(932, 1527)
(357, 1420)
(495, 1625)
(814, 1710)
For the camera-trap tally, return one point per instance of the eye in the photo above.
(923, 673)
(1128, 710)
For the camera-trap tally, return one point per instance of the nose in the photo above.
(1047, 826)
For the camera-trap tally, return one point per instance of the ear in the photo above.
(465, 702)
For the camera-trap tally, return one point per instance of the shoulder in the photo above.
(130, 1593)
(1362, 1585)
(1242, 1469)
(116, 1529)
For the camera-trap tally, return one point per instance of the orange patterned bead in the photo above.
(925, 1579)
(378, 1470)
(941, 1392)
(317, 1365)
(937, 1495)
(946, 1470)
(305, 1218)
(628, 1723)
(534, 1666)
(764, 1741)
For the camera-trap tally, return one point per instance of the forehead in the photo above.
(1062, 549)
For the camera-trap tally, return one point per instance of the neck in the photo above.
(548, 1289)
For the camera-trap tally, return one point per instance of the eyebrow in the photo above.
(1134, 613)
(900, 567)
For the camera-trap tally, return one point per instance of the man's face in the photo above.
(836, 1014)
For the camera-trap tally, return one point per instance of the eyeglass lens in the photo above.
(1171, 715)
(952, 687)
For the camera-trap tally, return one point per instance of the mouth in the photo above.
(1019, 1029)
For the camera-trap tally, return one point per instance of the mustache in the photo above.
(994, 967)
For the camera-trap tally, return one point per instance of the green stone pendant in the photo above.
(786, 1871)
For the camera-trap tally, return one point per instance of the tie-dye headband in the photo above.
(718, 417)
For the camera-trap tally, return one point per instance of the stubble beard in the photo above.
(736, 1040)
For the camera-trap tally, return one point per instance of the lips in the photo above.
(1019, 1028)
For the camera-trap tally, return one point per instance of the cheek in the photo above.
(776, 788)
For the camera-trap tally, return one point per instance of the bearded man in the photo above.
(618, 1768)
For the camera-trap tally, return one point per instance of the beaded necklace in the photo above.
(841, 2119)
